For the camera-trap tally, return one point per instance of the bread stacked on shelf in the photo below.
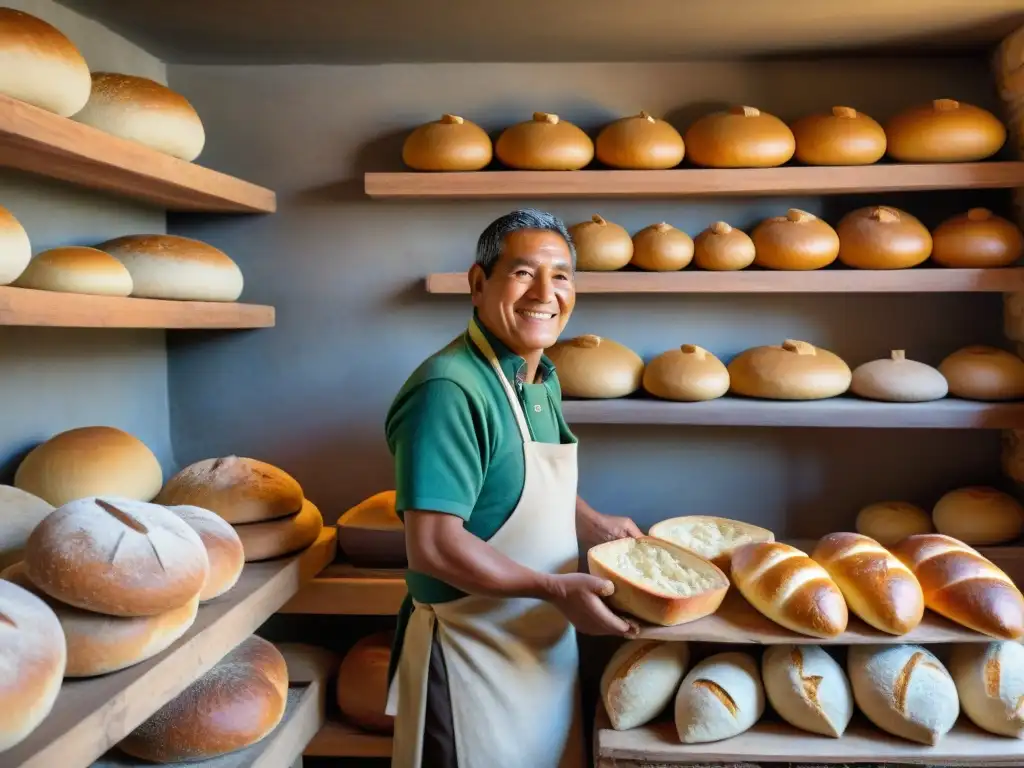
(661, 248)
(944, 131)
(977, 239)
(980, 372)
(362, 689)
(449, 144)
(20, 513)
(372, 534)
(639, 143)
(793, 370)
(15, 248)
(595, 367)
(898, 380)
(77, 269)
(882, 237)
(640, 680)
(797, 241)
(807, 688)
(601, 245)
(842, 136)
(723, 248)
(544, 143)
(889, 522)
(689, 374)
(722, 696)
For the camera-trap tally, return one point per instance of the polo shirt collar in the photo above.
(512, 365)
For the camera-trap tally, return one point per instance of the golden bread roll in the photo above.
(944, 131)
(898, 380)
(721, 247)
(661, 248)
(689, 373)
(843, 136)
(877, 587)
(808, 688)
(979, 516)
(793, 370)
(979, 372)
(962, 585)
(788, 587)
(449, 144)
(713, 538)
(594, 367)
(720, 697)
(741, 137)
(15, 248)
(657, 581)
(640, 142)
(989, 679)
(545, 143)
(889, 522)
(640, 680)
(223, 548)
(601, 245)
(977, 239)
(362, 690)
(796, 241)
(880, 237)
(40, 65)
(76, 269)
(371, 533)
(90, 461)
(284, 536)
(20, 513)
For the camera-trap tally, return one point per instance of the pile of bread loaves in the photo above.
(940, 131)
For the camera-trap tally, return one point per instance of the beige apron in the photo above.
(513, 666)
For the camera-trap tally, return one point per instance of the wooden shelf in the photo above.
(338, 739)
(834, 280)
(343, 590)
(792, 180)
(92, 715)
(24, 306)
(40, 142)
(848, 411)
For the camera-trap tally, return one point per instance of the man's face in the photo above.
(529, 296)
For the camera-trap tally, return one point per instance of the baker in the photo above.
(484, 671)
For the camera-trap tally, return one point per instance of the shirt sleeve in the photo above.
(439, 453)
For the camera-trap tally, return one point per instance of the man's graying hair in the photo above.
(492, 240)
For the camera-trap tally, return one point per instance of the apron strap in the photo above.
(481, 342)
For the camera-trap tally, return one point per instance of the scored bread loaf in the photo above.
(223, 548)
(876, 585)
(989, 679)
(20, 513)
(720, 697)
(789, 588)
(962, 585)
(275, 538)
(640, 680)
(808, 688)
(713, 538)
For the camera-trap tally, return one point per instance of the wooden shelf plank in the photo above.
(686, 182)
(24, 306)
(92, 715)
(342, 590)
(338, 739)
(40, 142)
(834, 280)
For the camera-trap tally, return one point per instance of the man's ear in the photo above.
(476, 278)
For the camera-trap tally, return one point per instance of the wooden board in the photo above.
(919, 280)
(339, 739)
(40, 142)
(342, 589)
(92, 715)
(24, 306)
(791, 180)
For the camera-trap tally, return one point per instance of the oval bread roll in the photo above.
(979, 516)
(898, 380)
(722, 247)
(76, 269)
(594, 367)
(713, 538)
(799, 241)
(719, 698)
(880, 237)
(276, 538)
(740, 137)
(545, 143)
(639, 142)
(989, 678)
(601, 245)
(223, 548)
(449, 144)
(980, 372)
(661, 248)
(688, 373)
(808, 688)
(904, 690)
(889, 522)
(641, 679)
(842, 136)
(793, 370)
(15, 248)
(977, 239)
(943, 131)
(20, 513)
(362, 690)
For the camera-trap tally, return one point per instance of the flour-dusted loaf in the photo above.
(889, 522)
(979, 516)
(76, 269)
(117, 556)
(808, 688)
(713, 538)
(275, 538)
(234, 705)
(899, 380)
(223, 548)
(989, 678)
(904, 690)
(15, 248)
(362, 690)
(657, 581)
(641, 679)
(720, 697)
(20, 513)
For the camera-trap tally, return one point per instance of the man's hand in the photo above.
(578, 597)
(593, 528)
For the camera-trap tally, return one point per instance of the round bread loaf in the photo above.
(34, 653)
(689, 373)
(15, 248)
(223, 548)
(798, 241)
(977, 239)
(720, 697)
(808, 688)
(989, 679)
(640, 142)
(40, 66)
(449, 144)
(601, 245)
(741, 137)
(843, 136)
(275, 538)
(99, 644)
(76, 269)
(234, 705)
(594, 367)
(362, 690)
(117, 556)
(661, 248)
(898, 380)
(979, 372)
(944, 131)
(90, 461)
(144, 111)
(721, 247)
(889, 522)
(545, 143)
(240, 490)
(177, 268)
(979, 516)
(20, 513)
(793, 370)
(640, 680)
(880, 237)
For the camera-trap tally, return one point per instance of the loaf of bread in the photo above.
(719, 698)
(722, 247)
(275, 538)
(641, 679)
(889, 522)
(687, 373)
(639, 142)
(962, 585)
(789, 588)
(117, 556)
(898, 380)
(977, 239)
(740, 137)
(545, 143)
(904, 690)
(658, 581)
(239, 490)
(20, 513)
(793, 370)
(881, 237)
(797, 241)
(661, 248)
(979, 516)
(989, 679)
(808, 688)
(980, 372)
(713, 538)
(594, 367)
(943, 131)
(601, 245)
(234, 705)
(15, 248)
(372, 533)
(362, 690)
(76, 269)
(449, 144)
(842, 136)
(223, 548)
(878, 587)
